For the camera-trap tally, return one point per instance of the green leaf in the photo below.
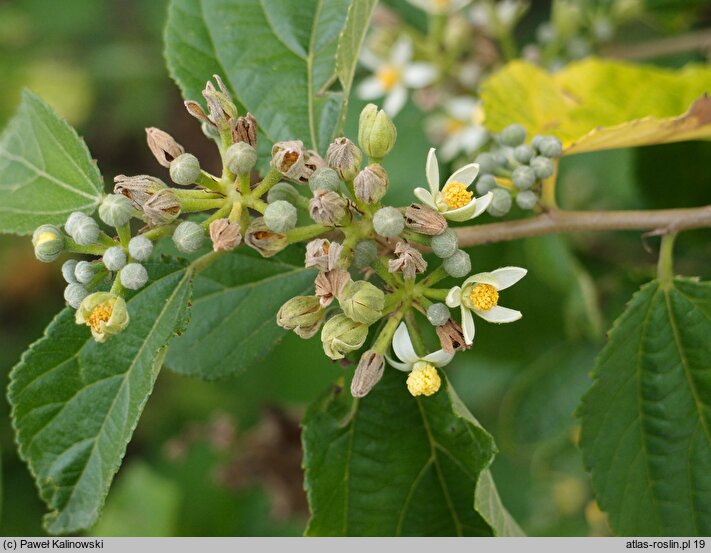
(75, 402)
(646, 434)
(234, 313)
(488, 504)
(46, 171)
(393, 465)
(278, 56)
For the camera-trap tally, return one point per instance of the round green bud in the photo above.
(376, 132)
(341, 335)
(500, 159)
(114, 258)
(116, 210)
(364, 253)
(542, 167)
(536, 141)
(444, 245)
(388, 222)
(188, 237)
(72, 221)
(133, 276)
(106, 314)
(550, 146)
(302, 314)
(84, 272)
(48, 242)
(500, 204)
(526, 199)
(324, 178)
(523, 177)
(362, 302)
(487, 163)
(283, 191)
(523, 153)
(185, 169)
(438, 314)
(68, 268)
(240, 158)
(280, 216)
(485, 183)
(84, 231)
(140, 248)
(74, 293)
(513, 135)
(458, 265)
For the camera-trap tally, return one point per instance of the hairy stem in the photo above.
(665, 267)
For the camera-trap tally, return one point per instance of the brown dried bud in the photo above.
(288, 157)
(451, 337)
(163, 146)
(371, 183)
(312, 162)
(344, 157)
(330, 285)
(265, 241)
(329, 208)
(225, 235)
(323, 254)
(139, 189)
(219, 103)
(408, 260)
(368, 373)
(196, 111)
(162, 208)
(425, 220)
(246, 130)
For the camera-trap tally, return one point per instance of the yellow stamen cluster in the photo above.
(484, 297)
(423, 380)
(101, 313)
(456, 195)
(388, 76)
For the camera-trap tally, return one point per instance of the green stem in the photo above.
(271, 178)
(124, 234)
(117, 288)
(415, 237)
(159, 232)
(300, 234)
(219, 214)
(203, 262)
(210, 182)
(193, 206)
(665, 266)
(92, 249)
(385, 338)
(439, 294)
(255, 203)
(381, 269)
(434, 277)
(106, 240)
(508, 45)
(197, 194)
(244, 185)
(417, 341)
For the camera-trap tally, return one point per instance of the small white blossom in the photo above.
(460, 129)
(439, 6)
(405, 351)
(498, 16)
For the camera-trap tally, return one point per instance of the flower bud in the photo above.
(283, 191)
(526, 199)
(74, 293)
(138, 189)
(185, 169)
(451, 337)
(116, 210)
(330, 285)
(487, 163)
(364, 253)
(196, 111)
(376, 132)
(329, 208)
(288, 157)
(324, 178)
(68, 271)
(225, 236)
(106, 314)
(114, 258)
(362, 302)
(341, 335)
(302, 314)
(523, 177)
(550, 146)
(485, 184)
(543, 167)
(388, 222)
(280, 216)
(84, 272)
(188, 237)
(219, 103)
(500, 202)
(240, 158)
(163, 146)
(162, 208)
(458, 265)
(72, 221)
(523, 153)
(85, 230)
(445, 244)
(368, 373)
(425, 220)
(133, 276)
(513, 135)
(345, 157)
(371, 183)
(246, 130)
(265, 241)
(323, 254)
(48, 242)
(407, 260)
(140, 248)
(438, 314)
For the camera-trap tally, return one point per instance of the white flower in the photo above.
(439, 6)
(480, 293)
(501, 16)
(393, 77)
(455, 202)
(405, 351)
(460, 129)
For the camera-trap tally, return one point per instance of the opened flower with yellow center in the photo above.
(104, 313)
(437, 7)
(423, 379)
(454, 201)
(480, 294)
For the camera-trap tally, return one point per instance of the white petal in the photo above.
(451, 147)
(432, 171)
(463, 213)
(370, 60)
(438, 358)
(454, 297)
(484, 278)
(395, 101)
(468, 326)
(370, 88)
(402, 345)
(464, 175)
(425, 197)
(419, 75)
(482, 203)
(498, 314)
(473, 138)
(461, 107)
(399, 366)
(401, 52)
(508, 276)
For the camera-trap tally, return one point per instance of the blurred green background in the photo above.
(224, 459)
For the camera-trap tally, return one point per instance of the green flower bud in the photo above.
(445, 244)
(283, 191)
(302, 314)
(368, 373)
(116, 210)
(240, 158)
(133, 276)
(188, 237)
(265, 241)
(140, 248)
(72, 221)
(114, 258)
(84, 272)
(48, 242)
(550, 146)
(438, 314)
(501, 159)
(376, 132)
(527, 199)
(74, 293)
(104, 313)
(184, 169)
(500, 203)
(329, 208)
(487, 163)
(542, 167)
(523, 177)
(513, 135)
(324, 178)
(388, 222)
(362, 302)
(345, 157)
(68, 270)
(364, 253)
(485, 184)
(280, 216)
(536, 141)
(458, 265)
(523, 153)
(371, 183)
(84, 230)
(341, 335)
